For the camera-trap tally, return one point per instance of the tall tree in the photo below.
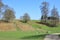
(44, 11)
(26, 18)
(9, 15)
(1, 7)
(55, 16)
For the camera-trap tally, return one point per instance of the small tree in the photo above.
(26, 18)
(8, 15)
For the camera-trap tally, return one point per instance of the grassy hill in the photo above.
(31, 31)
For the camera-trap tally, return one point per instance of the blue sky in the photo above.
(30, 6)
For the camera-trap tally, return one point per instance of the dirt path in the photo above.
(52, 37)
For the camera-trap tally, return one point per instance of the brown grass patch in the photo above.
(25, 27)
(7, 27)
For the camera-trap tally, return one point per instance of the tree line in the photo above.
(7, 14)
(52, 20)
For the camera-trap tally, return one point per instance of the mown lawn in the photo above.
(19, 35)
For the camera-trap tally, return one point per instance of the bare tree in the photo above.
(44, 11)
(9, 15)
(1, 7)
(55, 16)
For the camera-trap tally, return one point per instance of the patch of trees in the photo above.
(52, 20)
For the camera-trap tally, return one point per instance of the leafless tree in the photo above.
(1, 7)
(55, 15)
(44, 11)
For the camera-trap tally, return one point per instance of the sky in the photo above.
(32, 7)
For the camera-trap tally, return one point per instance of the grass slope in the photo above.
(38, 34)
(44, 27)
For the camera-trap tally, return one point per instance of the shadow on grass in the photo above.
(35, 37)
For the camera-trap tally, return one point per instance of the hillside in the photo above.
(30, 26)
(32, 30)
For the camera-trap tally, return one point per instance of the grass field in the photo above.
(26, 31)
(19, 35)
(45, 28)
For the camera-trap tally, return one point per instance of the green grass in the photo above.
(46, 28)
(29, 35)
(52, 29)
(19, 35)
